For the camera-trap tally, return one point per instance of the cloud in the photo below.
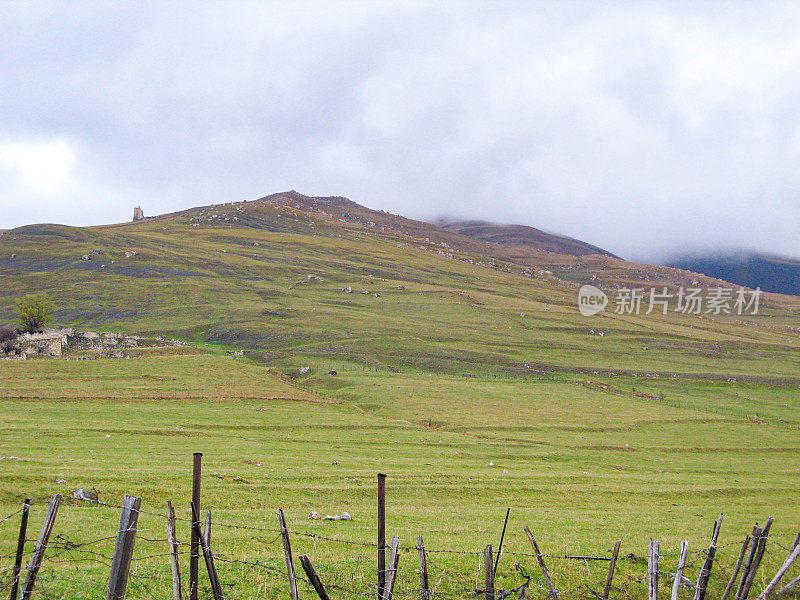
(641, 127)
(42, 167)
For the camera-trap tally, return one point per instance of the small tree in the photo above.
(35, 311)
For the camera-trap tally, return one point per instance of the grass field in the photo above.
(474, 387)
(581, 473)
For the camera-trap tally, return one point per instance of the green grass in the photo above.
(579, 475)
(651, 430)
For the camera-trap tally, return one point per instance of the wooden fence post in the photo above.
(781, 572)
(123, 550)
(676, 585)
(552, 593)
(23, 529)
(488, 573)
(789, 585)
(424, 591)
(708, 564)
(174, 561)
(391, 574)
(194, 550)
(311, 573)
(213, 578)
(611, 567)
(41, 546)
(381, 534)
(796, 540)
(287, 551)
(754, 541)
(652, 569)
(737, 568)
(762, 544)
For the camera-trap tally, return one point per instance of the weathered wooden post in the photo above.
(737, 568)
(652, 569)
(611, 567)
(424, 591)
(749, 561)
(676, 585)
(23, 529)
(781, 572)
(552, 593)
(762, 544)
(381, 534)
(174, 561)
(41, 545)
(213, 578)
(313, 577)
(488, 573)
(287, 551)
(123, 550)
(391, 574)
(194, 551)
(708, 564)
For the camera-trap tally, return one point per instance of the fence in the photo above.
(363, 569)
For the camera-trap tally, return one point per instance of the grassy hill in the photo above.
(465, 372)
(521, 235)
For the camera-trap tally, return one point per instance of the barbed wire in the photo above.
(63, 550)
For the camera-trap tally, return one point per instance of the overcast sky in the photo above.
(642, 127)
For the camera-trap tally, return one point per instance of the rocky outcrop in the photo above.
(69, 343)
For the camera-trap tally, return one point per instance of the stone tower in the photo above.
(138, 213)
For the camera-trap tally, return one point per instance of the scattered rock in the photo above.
(342, 517)
(61, 482)
(304, 370)
(131, 253)
(85, 495)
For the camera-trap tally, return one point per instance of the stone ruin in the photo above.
(71, 344)
(138, 214)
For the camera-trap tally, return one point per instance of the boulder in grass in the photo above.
(85, 495)
(345, 516)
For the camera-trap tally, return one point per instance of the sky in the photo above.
(646, 128)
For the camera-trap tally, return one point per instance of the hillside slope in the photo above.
(521, 235)
(269, 275)
(377, 344)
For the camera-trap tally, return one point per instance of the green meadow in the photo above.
(475, 388)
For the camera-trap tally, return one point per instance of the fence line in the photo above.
(444, 577)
